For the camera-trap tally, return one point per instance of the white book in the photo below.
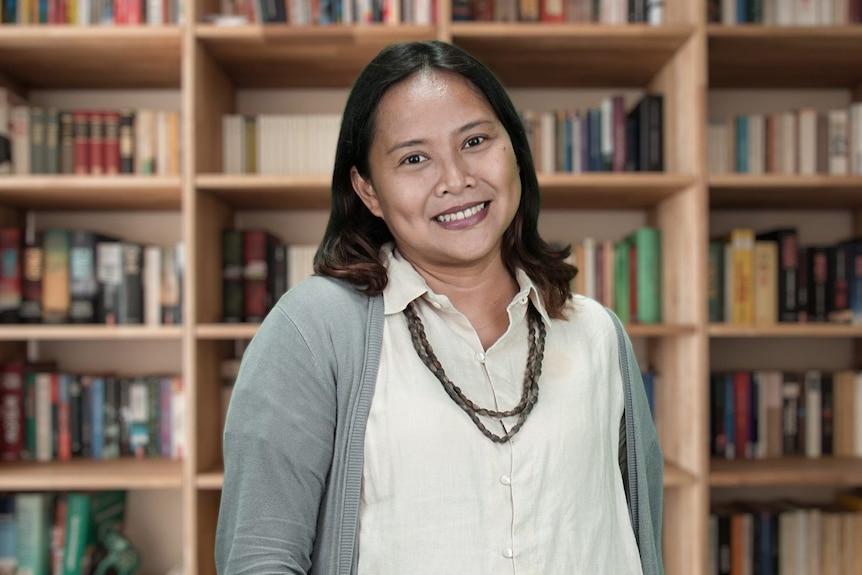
(785, 14)
(756, 143)
(788, 137)
(806, 13)
(838, 137)
(728, 12)
(813, 414)
(856, 136)
(807, 142)
(606, 124)
(152, 284)
(44, 426)
(840, 12)
(546, 147)
(20, 132)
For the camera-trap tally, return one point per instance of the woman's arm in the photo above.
(278, 445)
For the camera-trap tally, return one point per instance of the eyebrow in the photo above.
(465, 128)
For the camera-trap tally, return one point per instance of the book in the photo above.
(32, 532)
(10, 274)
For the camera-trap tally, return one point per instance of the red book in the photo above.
(742, 415)
(552, 11)
(11, 411)
(111, 142)
(64, 429)
(82, 142)
(96, 143)
(255, 272)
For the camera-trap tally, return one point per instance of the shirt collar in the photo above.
(405, 285)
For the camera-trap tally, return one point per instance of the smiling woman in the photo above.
(380, 416)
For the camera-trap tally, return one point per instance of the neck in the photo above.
(482, 295)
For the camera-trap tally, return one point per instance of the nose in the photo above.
(456, 175)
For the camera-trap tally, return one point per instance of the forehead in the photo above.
(430, 96)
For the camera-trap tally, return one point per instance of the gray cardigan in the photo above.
(295, 431)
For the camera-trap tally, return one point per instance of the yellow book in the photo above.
(742, 260)
(765, 283)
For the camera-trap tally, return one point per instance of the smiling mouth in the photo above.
(463, 214)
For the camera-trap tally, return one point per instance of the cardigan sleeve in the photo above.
(278, 446)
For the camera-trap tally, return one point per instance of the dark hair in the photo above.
(351, 244)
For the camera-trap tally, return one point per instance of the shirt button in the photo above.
(436, 304)
(480, 356)
(523, 300)
(508, 553)
(505, 480)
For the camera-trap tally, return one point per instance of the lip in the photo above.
(467, 221)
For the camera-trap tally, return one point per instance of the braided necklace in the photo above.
(529, 396)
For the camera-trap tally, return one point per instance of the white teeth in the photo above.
(462, 214)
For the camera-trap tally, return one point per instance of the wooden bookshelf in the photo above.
(787, 472)
(794, 192)
(68, 332)
(86, 474)
(91, 193)
(784, 57)
(92, 56)
(785, 330)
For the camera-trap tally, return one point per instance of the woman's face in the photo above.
(443, 174)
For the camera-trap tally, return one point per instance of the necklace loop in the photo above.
(529, 395)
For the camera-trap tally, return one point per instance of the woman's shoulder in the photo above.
(324, 299)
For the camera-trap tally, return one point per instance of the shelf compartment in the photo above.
(780, 191)
(89, 332)
(546, 55)
(91, 474)
(755, 56)
(789, 471)
(69, 192)
(785, 330)
(217, 331)
(610, 191)
(92, 56)
(281, 56)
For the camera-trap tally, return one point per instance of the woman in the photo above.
(380, 423)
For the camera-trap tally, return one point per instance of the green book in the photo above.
(715, 282)
(33, 518)
(87, 516)
(647, 242)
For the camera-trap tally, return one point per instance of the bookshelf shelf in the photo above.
(564, 55)
(91, 193)
(210, 480)
(281, 56)
(609, 191)
(790, 471)
(92, 56)
(658, 330)
(226, 330)
(268, 192)
(798, 192)
(755, 56)
(788, 330)
(91, 474)
(68, 332)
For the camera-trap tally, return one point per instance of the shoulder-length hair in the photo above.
(351, 244)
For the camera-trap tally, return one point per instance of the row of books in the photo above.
(803, 141)
(48, 140)
(74, 533)
(316, 12)
(607, 138)
(50, 415)
(257, 269)
(785, 12)
(602, 11)
(80, 276)
(767, 278)
(91, 12)
(623, 275)
(786, 537)
(771, 413)
(283, 144)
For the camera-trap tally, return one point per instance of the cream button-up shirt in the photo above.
(439, 498)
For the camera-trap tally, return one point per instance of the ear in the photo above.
(365, 190)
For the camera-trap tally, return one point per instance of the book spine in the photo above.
(67, 142)
(10, 274)
(109, 272)
(55, 282)
(11, 411)
(83, 283)
(131, 301)
(31, 279)
(81, 120)
(233, 309)
(127, 141)
(254, 275)
(111, 143)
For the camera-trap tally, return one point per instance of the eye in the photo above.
(474, 141)
(413, 159)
